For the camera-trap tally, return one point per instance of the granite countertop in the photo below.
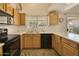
(69, 36)
(2, 44)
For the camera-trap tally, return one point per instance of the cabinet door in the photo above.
(22, 18)
(2, 6)
(53, 18)
(1, 51)
(53, 41)
(16, 18)
(27, 41)
(36, 41)
(57, 44)
(69, 51)
(9, 9)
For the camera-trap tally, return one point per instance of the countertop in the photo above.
(69, 36)
(2, 44)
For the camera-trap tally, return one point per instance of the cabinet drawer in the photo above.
(69, 51)
(70, 43)
(27, 35)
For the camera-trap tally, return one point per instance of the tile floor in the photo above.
(38, 52)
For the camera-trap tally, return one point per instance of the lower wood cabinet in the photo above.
(1, 51)
(27, 41)
(56, 43)
(36, 41)
(69, 48)
(31, 41)
(69, 51)
(64, 46)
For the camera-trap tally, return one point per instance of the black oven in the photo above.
(3, 35)
(12, 47)
(12, 43)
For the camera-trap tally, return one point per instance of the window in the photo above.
(37, 21)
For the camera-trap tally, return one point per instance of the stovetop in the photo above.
(9, 38)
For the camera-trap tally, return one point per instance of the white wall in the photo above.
(60, 27)
(13, 29)
(3, 19)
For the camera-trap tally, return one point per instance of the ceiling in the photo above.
(75, 9)
(57, 6)
(35, 8)
(44, 8)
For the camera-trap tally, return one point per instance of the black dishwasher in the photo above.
(46, 41)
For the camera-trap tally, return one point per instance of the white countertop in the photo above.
(69, 36)
(2, 44)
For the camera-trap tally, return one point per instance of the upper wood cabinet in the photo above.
(53, 18)
(16, 18)
(19, 18)
(9, 9)
(2, 6)
(22, 18)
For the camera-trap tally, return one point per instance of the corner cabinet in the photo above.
(53, 18)
(64, 46)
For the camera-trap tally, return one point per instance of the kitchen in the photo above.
(39, 29)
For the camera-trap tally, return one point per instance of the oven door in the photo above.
(12, 48)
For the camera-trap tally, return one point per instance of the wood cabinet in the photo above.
(65, 46)
(16, 18)
(6, 9)
(19, 18)
(27, 41)
(22, 18)
(31, 41)
(56, 43)
(1, 51)
(9, 9)
(2, 6)
(36, 41)
(69, 51)
(69, 48)
(53, 18)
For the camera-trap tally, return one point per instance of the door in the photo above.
(46, 41)
(27, 41)
(36, 41)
